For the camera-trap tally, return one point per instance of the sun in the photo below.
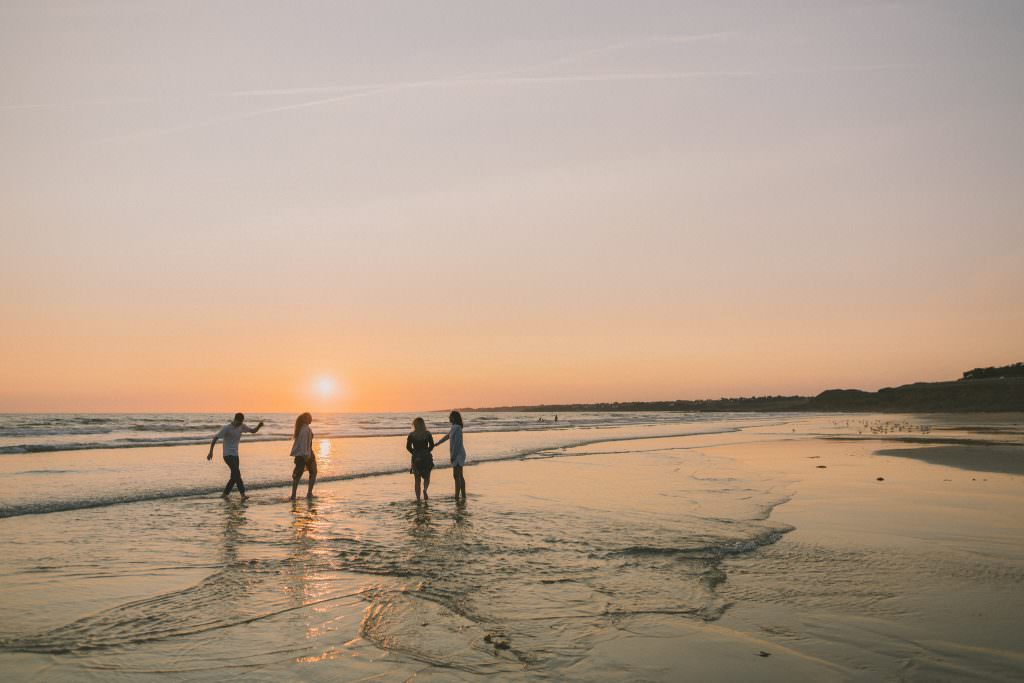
(325, 386)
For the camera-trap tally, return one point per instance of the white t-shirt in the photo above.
(231, 435)
(303, 446)
(457, 451)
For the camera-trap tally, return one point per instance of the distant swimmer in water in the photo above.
(420, 443)
(231, 434)
(457, 451)
(302, 454)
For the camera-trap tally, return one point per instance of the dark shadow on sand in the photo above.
(976, 458)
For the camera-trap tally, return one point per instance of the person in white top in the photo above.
(457, 451)
(231, 434)
(302, 453)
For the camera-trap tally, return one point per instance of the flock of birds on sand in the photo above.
(886, 427)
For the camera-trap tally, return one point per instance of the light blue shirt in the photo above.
(455, 447)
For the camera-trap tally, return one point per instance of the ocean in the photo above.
(44, 432)
(58, 462)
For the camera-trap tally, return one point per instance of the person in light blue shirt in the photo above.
(457, 450)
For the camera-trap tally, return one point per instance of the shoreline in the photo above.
(128, 434)
(263, 463)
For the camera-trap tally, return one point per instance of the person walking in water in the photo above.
(420, 443)
(302, 453)
(457, 452)
(231, 434)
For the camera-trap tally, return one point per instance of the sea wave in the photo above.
(43, 507)
(21, 435)
(713, 550)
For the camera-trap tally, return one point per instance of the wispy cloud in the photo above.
(378, 89)
(519, 76)
(571, 58)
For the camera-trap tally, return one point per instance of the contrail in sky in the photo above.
(308, 90)
(524, 75)
(371, 90)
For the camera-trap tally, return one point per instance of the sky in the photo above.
(369, 206)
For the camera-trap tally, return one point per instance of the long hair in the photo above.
(419, 426)
(303, 419)
(455, 417)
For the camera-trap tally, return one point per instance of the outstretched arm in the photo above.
(443, 438)
(252, 430)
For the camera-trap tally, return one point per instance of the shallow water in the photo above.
(50, 481)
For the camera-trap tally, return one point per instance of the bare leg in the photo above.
(295, 485)
(312, 480)
(426, 484)
(460, 483)
(417, 487)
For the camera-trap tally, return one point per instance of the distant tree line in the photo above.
(752, 404)
(1001, 391)
(1015, 370)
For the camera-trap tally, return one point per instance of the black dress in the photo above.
(419, 445)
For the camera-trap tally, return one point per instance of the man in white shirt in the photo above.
(231, 434)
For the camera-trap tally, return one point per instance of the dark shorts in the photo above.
(422, 466)
(302, 464)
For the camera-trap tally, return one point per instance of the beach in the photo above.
(712, 308)
(712, 547)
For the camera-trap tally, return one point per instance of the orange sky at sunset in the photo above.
(478, 207)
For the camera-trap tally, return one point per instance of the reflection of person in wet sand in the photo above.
(457, 452)
(420, 443)
(421, 521)
(233, 521)
(231, 434)
(304, 522)
(301, 567)
(302, 454)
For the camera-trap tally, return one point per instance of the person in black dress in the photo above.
(420, 443)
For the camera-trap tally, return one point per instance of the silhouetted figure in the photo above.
(302, 453)
(231, 435)
(457, 452)
(420, 443)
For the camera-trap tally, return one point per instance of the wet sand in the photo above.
(772, 553)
